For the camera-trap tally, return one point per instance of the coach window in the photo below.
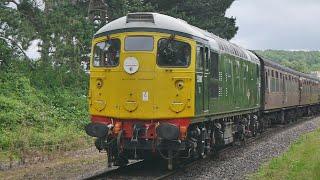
(272, 81)
(289, 83)
(107, 54)
(281, 82)
(173, 53)
(267, 81)
(277, 81)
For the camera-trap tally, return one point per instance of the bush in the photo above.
(35, 112)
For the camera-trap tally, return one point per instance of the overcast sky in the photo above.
(277, 24)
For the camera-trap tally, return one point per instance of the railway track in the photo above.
(147, 169)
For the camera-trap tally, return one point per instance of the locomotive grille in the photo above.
(140, 17)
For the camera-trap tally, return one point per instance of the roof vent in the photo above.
(140, 17)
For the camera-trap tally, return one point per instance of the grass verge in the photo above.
(302, 161)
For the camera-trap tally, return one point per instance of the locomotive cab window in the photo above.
(173, 53)
(138, 43)
(107, 54)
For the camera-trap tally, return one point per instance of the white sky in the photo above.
(277, 24)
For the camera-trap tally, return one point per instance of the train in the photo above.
(162, 87)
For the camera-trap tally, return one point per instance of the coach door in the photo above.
(202, 80)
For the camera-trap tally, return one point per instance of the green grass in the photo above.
(302, 161)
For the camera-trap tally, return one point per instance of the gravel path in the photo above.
(241, 162)
(71, 165)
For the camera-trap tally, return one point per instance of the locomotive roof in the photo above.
(155, 22)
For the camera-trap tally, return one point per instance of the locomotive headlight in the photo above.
(99, 83)
(179, 84)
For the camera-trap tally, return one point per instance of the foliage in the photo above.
(33, 113)
(303, 61)
(206, 14)
(61, 27)
(302, 161)
(5, 54)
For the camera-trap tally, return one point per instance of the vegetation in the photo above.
(40, 108)
(303, 61)
(302, 161)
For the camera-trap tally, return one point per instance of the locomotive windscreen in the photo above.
(139, 43)
(172, 53)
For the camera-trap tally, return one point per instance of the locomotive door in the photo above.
(202, 77)
(206, 79)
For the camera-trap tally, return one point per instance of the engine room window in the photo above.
(107, 54)
(215, 65)
(172, 53)
(138, 43)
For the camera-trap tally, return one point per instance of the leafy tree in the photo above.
(5, 54)
(303, 61)
(206, 14)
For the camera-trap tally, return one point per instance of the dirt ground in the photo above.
(77, 165)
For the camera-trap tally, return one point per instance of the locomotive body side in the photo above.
(227, 82)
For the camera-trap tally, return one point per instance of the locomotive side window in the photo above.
(138, 43)
(214, 65)
(214, 70)
(200, 57)
(107, 54)
(173, 53)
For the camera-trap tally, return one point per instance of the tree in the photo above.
(64, 30)
(299, 60)
(206, 14)
(5, 54)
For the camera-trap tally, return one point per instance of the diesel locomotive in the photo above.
(160, 86)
